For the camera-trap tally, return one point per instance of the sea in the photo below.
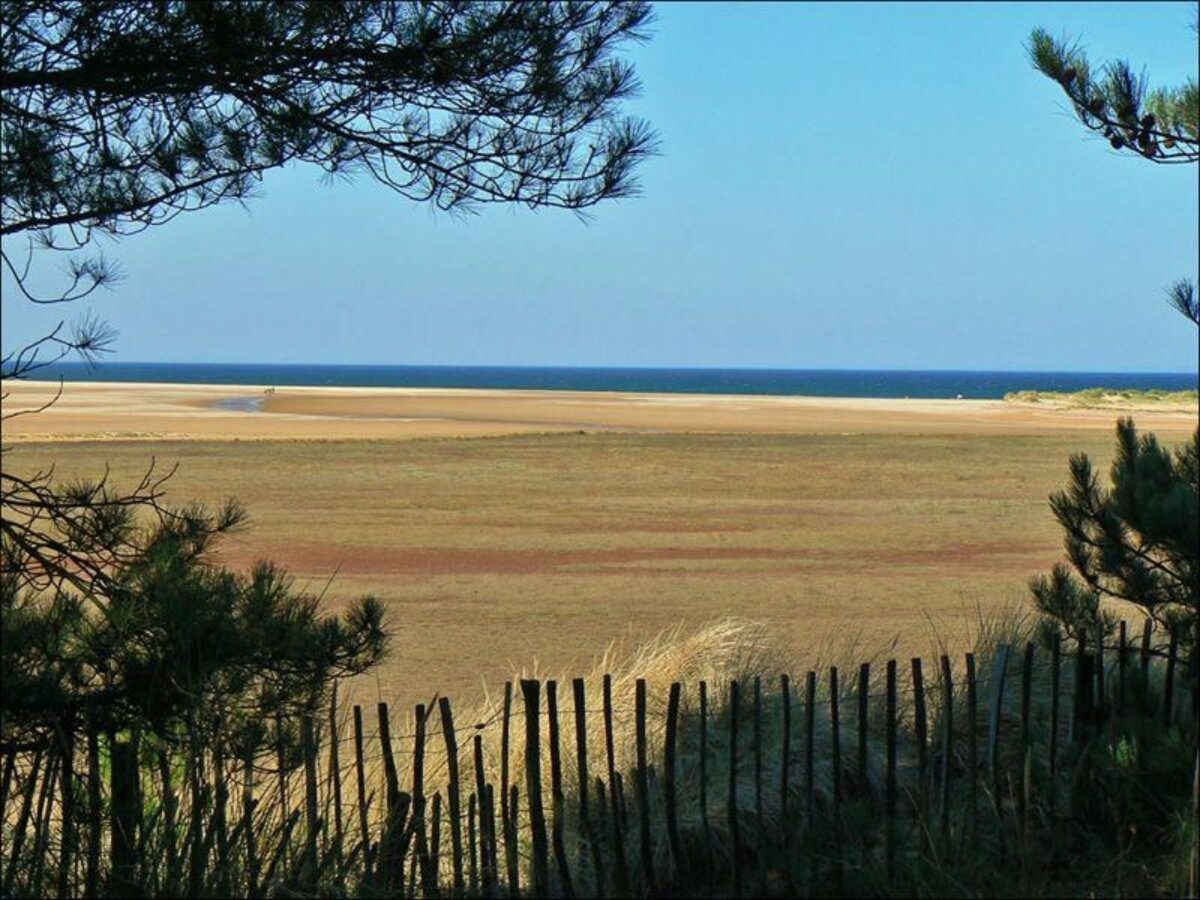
(975, 385)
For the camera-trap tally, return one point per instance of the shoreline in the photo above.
(170, 411)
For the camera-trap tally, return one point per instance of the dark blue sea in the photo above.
(796, 382)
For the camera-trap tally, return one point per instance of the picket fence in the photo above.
(951, 762)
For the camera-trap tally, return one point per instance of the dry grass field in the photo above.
(494, 552)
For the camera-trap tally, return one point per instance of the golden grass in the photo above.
(491, 553)
(1110, 398)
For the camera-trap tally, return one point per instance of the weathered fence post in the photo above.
(614, 789)
(392, 844)
(864, 699)
(312, 823)
(921, 727)
(360, 771)
(705, 826)
(557, 796)
(1169, 678)
(531, 690)
(1026, 747)
(810, 727)
(453, 791)
(579, 697)
(420, 825)
(335, 781)
(759, 816)
(973, 741)
(507, 822)
(669, 792)
(890, 782)
(487, 838)
(997, 703)
(835, 737)
(732, 802)
(643, 785)
(785, 753)
(947, 746)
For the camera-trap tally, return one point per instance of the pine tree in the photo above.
(1137, 540)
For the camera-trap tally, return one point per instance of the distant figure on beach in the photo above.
(956, 396)
(269, 390)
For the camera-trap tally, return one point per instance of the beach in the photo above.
(139, 411)
(508, 529)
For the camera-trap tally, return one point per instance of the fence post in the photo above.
(835, 737)
(360, 771)
(997, 703)
(453, 791)
(1169, 679)
(614, 789)
(1147, 632)
(392, 845)
(311, 821)
(419, 823)
(487, 837)
(506, 820)
(947, 745)
(785, 761)
(734, 831)
(530, 690)
(890, 790)
(973, 740)
(864, 699)
(810, 723)
(556, 791)
(921, 727)
(335, 775)
(705, 827)
(669, 793)
(643, 785)
(1026, 748)
(123, 793)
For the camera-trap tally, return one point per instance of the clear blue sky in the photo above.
(840, 186)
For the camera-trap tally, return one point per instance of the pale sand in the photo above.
(126, 411)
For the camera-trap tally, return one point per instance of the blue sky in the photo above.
(840, 186)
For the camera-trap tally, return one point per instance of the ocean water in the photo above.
(780, 382)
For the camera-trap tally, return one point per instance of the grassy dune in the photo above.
(1105, 398)
(491, 553)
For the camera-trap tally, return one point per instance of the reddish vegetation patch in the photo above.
(432, 561)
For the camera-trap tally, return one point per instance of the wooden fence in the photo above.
(748, 787)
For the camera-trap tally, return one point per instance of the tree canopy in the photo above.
(1160, 124)
(119, 115)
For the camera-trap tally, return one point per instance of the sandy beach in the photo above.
(128, 411)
